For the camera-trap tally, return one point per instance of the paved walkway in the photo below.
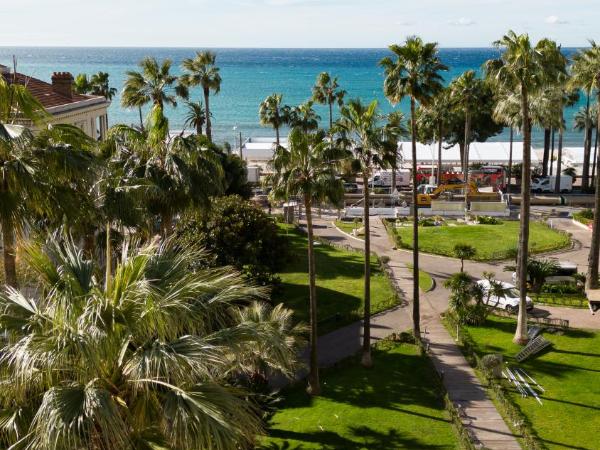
(480, 416)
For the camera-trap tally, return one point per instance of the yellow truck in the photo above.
(426, 193)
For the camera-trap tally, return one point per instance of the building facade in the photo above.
(63, 104)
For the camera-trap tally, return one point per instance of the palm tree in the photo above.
(361, 134)
(17, 102)
(416, 74)
(153, 84)
(586, 74)
(435, 117)
(100, 85)
(271, 112)
(40, 177)
(82, 84)
(525, 69)
(462, 252)
(304, 117)
(202, 71)
(326, 91)
(176, 173)
(146, 362)
(464, 95)
(307, 168)
(507, 112)
(195, 116)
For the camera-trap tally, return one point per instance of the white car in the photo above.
(509, 301)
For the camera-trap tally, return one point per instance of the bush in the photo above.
(488, 220)
(565, 288)
(586, 216)
(427, 222)
(236, 233)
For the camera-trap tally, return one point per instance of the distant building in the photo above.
(88, 112)
(259, 151)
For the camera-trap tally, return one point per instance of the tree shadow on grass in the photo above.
(361, 437)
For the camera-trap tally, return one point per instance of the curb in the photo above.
(346, 234)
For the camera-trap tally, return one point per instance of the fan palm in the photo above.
(393, 130)
(195, 116)
(17, 102)
(465, 92)
(586, 75)
(435, 117)
(39, 177)
(359, 130)
(202, 71)
(147, 362)
(304, 117)
(307, 168)
(273, 113)
(153, 84)
(415, 73)
(100, 85)
(526, 69)
(326, 91)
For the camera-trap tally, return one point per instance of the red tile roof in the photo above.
(43, 91)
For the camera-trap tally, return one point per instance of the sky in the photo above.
(291, 23)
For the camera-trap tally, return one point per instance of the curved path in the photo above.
(480, 416)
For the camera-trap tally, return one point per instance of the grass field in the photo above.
(492, 242)
(569, 372)
(395, 405)
(340, 285)
(348, 226)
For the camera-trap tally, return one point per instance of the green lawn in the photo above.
(569, 300)
(491, 241)
(570, 374)
(340, 283)
(348, 226)
(396, 404)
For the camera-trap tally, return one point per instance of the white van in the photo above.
(509, 301)
(547, 184)
(383, 178)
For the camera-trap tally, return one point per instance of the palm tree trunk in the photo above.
(510, 159)
(521, 337)
(166, 224)
(366, 360)
(207, 110)
(10, 260)
(552, 153)
(141, 118)
(330, 116)
(559, 159)
(592, 274)
(277, 138)
(546, 155)
(314, 387)
(416, 299)
(592, 181)
(108, 272)
(466, 157)
(440, 134)
(587, 147)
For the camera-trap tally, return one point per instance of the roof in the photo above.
(45, 94)
(260, 149)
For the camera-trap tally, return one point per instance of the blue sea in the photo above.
(249, 75)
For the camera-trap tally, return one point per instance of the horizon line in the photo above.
(185, 47)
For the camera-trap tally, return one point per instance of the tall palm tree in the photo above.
(586, 74)
(40, 177)
(153, 84)
(435, 117)
(146, 362)
(359, 131)
(202, 71)
(273, 113)
(561, 97)
(526, 69)
(304, 117)
(415, 73)
(326, 91)
(507, 112)
(100, 85)
(307, 168)
(195, 116)
(464, 95)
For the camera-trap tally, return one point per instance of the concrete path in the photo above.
(480, 416)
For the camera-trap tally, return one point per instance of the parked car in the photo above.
(351, 188)
(509, 301)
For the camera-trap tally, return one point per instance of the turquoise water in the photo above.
(249, 75)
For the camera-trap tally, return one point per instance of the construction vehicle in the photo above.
(425, 197)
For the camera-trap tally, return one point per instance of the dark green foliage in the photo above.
(488, 220)
(236, 233)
